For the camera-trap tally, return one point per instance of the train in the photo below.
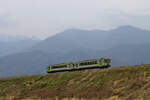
(100, 63)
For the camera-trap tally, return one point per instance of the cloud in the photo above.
(114, 18)
(46, 17)
(7, 20)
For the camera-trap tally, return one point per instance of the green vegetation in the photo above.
(124, 83)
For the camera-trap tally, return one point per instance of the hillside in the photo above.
(124, 83)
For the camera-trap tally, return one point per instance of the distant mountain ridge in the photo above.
(125, 45)
(15, 44)
(102, 40)
(8, 38)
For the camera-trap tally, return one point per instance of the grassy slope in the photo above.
(125, 83)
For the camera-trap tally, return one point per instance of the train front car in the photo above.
(95, 63)
(82, 65)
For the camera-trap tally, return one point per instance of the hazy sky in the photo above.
(43, 18)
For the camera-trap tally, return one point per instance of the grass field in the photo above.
(124, 83)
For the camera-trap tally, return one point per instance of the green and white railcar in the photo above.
(86, 64)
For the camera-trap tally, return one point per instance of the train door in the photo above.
(101, 61)
(70, 66)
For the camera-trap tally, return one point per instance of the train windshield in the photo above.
(107, 60)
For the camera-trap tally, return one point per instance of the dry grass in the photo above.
(125, 83)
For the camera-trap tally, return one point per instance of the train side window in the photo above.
(62, 66)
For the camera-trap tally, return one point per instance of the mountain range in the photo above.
(15, 44)
(125, 45)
